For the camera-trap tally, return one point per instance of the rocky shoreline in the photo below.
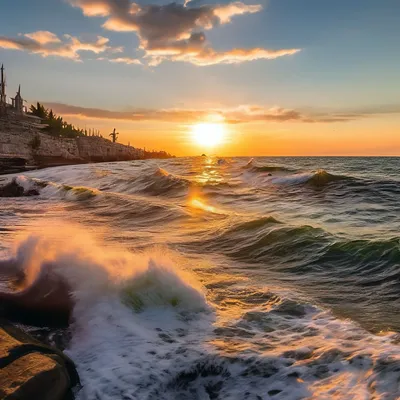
(23, 148)
(30, 369)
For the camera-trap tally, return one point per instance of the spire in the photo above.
(19, 90)
(2, 86)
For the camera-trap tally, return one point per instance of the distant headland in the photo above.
(37, 138)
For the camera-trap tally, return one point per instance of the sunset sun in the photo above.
(208, 134)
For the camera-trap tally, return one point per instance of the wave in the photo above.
(271, 168)
(199, 204)
(249, 163)
(368, 270)
(26, 186)
(160, 182)
(125, 305)
(46, 266)
(81, 192)
(265, 168)
(253, 225)
(19, 186)
(142, 327)
(307, 249)
(319, 178)
(123, 208)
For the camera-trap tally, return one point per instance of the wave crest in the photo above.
(322, 178)
(319, 178)
(20, 186)
(92, 271)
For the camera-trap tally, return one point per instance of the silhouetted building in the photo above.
(18, 102)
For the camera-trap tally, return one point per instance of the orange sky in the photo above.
(288, 78)
(368, 136)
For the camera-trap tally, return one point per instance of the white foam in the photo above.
(25, 182)
(295, 179)
(129, 308)
(142, 329)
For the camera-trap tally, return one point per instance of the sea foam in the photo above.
(141, 328)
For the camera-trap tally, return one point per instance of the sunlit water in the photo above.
(198, 278)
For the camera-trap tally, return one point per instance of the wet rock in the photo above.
(11, 165)
(13, 189)
(32, 370)
(274, 392)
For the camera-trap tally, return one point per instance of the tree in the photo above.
(39, 111)
(114, 135)
(56, 126)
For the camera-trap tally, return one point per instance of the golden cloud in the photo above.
(174, 31)
(237, 115)
(47, 44)
(125, 60)
(43, 37)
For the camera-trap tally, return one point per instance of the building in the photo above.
(18, 102)
(16, 111)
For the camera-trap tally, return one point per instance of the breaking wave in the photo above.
(301, 286)
(142, 328)
(90, 271)
(318, 178)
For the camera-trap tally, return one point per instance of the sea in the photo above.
(220, 278)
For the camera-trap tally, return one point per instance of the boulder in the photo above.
(13, 189)
(11, 165)
(31, 370)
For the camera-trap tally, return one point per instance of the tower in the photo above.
(3, 98)
(18, 102)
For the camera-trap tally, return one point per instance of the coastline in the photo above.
(23, 148)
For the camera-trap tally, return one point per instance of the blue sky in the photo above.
(348, 59)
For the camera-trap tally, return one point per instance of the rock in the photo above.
(31, 370)
(11, 165)
(12, 189)
(43, 301)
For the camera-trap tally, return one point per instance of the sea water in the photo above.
(197, 278)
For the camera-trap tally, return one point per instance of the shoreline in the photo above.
(24, 148)
(16, 170)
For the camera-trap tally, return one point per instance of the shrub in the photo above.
(35, 142)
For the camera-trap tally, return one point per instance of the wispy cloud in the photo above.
(176, 32)
(234, 115)
(47, 44)
(125, 60)
(208, 56)
(43, 37)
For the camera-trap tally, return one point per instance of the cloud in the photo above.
(236, 115)
(176, 32)
(125, 60)
(209, 56)
(43, 37)
(161, 22)
(47, 44)
(227, 11)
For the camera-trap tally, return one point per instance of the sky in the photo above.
(283, 77)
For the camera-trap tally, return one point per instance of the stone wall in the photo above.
(37, 148)
(97, 149)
